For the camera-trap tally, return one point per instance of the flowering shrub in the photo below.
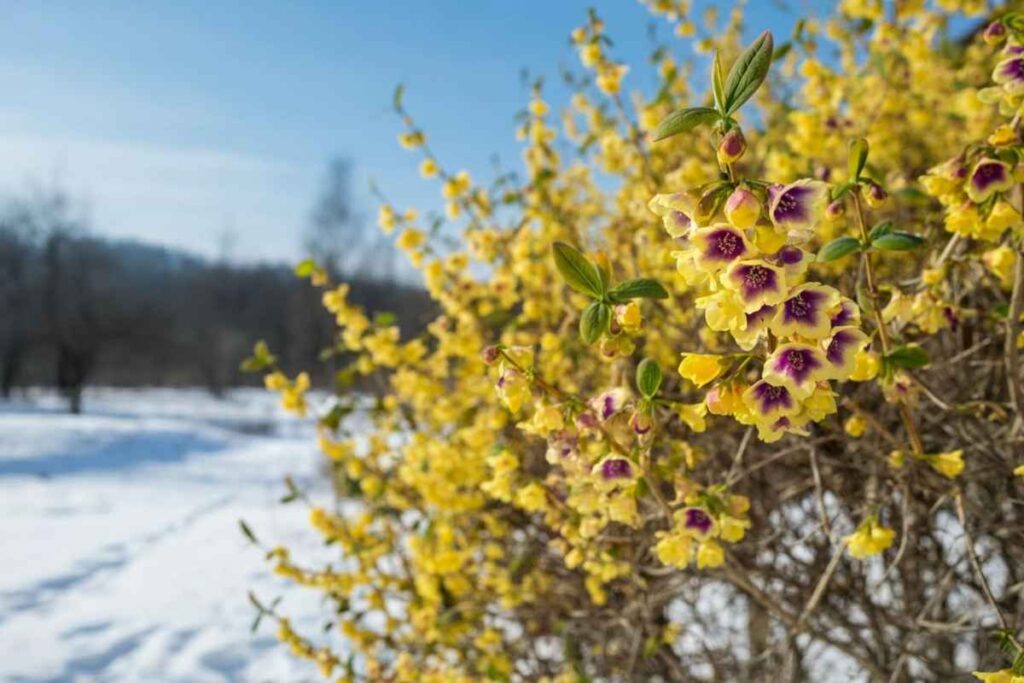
(724, 386)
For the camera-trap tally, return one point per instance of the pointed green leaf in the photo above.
(858, 157)
(909, 357)
(838, 248)
(247, 532)
(595, 321)
(897, 241)
(648, 377)
(638, 288)
(748, 72)
(718, 82)
(684, 120)
(883, 228)
(305, 268)
(579, 272)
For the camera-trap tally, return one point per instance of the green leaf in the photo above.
(247, 532)
(604, 270)
(396, 99)
(305, 267)
(838, 248)
(909, 357)
(864, 300)
(648, 377)
(252, 365)
(684, 120)
(883, 228)
(748, 72)
(638, 288)
(712, 198)
(718, 82)
(838, 192)
(595, 321)
(579, 272)
(897, 241)
(858, 157)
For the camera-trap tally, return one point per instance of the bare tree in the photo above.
(335, 233)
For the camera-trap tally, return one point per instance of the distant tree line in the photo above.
(76, 309)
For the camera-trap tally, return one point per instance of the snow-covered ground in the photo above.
(121, 557)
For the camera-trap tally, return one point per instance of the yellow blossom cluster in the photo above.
(525, 494)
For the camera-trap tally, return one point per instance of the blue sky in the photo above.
(173, 122)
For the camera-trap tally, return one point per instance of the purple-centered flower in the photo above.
(677, 211)
(806, 312)
(1009, 73)
(791, 259)
(698, 521)
(769, 432)
(758, 283)
(768, 402)
(797, 207)
(562, 446)
(718, 246)
(609, 403)
(841, 351)
(988, 177)
(685, 265)
(616, 468)
(798, 367)
(757, 323)
(586, 421)
(848, 313)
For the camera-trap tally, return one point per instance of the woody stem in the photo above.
(883, 331)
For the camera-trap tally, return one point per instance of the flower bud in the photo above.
(491, 355)
(742, 208)
(835, 210)
(731, 147)
(640, 422)
(995, 33)
(874, 194)
(628, 317)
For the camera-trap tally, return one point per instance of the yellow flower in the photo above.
(948, 464)
(732, 529)
(609, 78)
(674, 550)
(410, 239)
(412, 140)
(855, 426)
(932, 276)
(710, 554)
(428, 168)
(1000, 262)
(1004, 676)
(538, 107)
(386, 219)
(1019, 471)
(867, 366)
(869, 539)
(693, 415)
(700, 368)
(532, 497)
(1003, 135)
(897, 459)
